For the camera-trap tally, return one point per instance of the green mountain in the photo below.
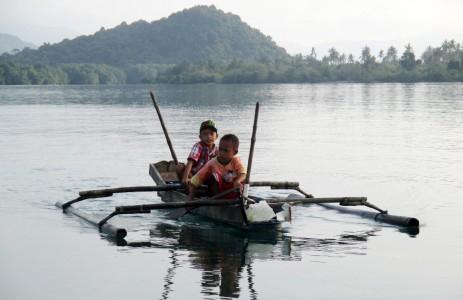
(198, 34)
(11, 43)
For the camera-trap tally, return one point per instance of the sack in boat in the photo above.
(260, 212)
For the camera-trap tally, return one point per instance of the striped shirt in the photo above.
(200, 154)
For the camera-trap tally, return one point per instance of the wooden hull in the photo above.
(164, 171)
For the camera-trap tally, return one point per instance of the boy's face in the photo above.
(226, 151)
(208, 136)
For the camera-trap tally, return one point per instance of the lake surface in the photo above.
(401, 145)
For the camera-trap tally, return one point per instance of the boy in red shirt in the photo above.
(223, 172)
(202, 151)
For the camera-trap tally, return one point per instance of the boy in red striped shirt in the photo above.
(202, 151)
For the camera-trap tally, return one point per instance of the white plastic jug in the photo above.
(259, 212)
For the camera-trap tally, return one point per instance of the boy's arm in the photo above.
(187, 171)
(238, 180)
(198, 179)
(241, 170)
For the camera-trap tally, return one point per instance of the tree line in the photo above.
(438, 64)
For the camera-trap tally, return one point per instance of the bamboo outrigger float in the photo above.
(228, 211)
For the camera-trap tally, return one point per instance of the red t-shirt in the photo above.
(224, 175)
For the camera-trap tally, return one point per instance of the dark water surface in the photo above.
(401, 145)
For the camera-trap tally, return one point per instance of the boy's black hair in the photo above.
(232, 139)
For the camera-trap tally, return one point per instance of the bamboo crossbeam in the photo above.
(276, 184)
(347, 201)
(129, 189)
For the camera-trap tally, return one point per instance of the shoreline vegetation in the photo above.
(440, 64)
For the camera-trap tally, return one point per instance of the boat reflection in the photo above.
(225, 255)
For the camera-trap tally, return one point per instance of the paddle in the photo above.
(166, 134)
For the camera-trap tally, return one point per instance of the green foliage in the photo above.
(93, 74)
(407, 61)
(11, 73)
(147, 73)
(367, 59)
(444, 63)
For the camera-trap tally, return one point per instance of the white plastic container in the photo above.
(259, 212)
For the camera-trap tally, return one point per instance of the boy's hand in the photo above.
(237, 184)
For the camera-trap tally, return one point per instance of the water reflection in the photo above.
(225, 255)
(222, 254)
(169, 278)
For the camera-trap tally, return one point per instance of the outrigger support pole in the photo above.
(343, 201)
(83, 195)
(402, 221)
(383, 215)
(110, 229)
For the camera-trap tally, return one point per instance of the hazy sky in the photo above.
(296, 25)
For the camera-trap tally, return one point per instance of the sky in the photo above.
(296, 25)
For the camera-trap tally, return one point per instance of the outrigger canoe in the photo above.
(228, 211)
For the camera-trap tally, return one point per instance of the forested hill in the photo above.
(198, 34)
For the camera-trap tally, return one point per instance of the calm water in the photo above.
(400, 145)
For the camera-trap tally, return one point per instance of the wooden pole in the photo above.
(166, 134)
(251, 151)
